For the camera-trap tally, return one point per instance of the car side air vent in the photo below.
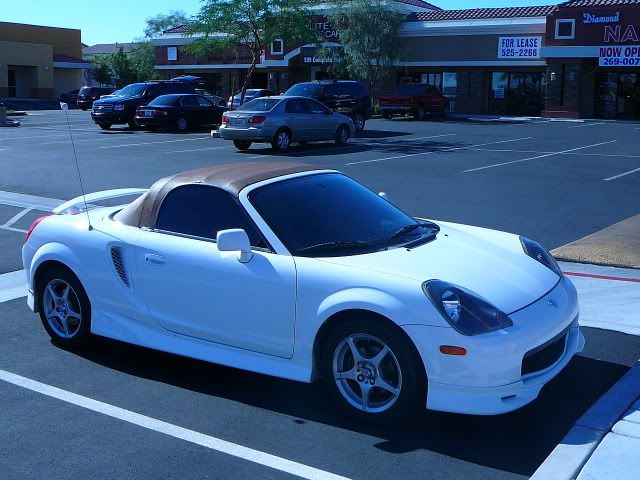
(118, 263)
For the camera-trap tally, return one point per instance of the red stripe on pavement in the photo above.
(603, 277)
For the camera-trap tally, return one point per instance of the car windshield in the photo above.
(308, 215)
(411, 89)
(133, 90)
(259, 105)
(304, 90)
(85, 90)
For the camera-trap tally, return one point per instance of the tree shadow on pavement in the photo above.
(516, 442)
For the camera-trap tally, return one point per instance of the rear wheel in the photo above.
(386, 115)
(133, 124)
(281, 140)
(359, 120)
(342, 135)
(371, 369)
(182, 124)
(104, 125)
(242, 144)
(64, 307)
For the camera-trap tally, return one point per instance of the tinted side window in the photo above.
(189, 101)
(345, 90)
(314, 107)
(330, 91)
(296, 106)
(204, 102)
(203, 211)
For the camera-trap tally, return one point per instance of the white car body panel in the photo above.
(263, 316)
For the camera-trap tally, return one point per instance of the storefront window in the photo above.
(450, 83)
(517, 93)
(618, 95)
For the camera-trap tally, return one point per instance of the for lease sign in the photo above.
(619, 56)
(519, 47)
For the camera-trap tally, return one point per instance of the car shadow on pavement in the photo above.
(380, 134)
(516, 442)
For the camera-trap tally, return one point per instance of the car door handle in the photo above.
(154, 259)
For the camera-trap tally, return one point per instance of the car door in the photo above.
(330, 97)
(209, 113)
(190, 109)
(299, 120)
(324, 121)
(194, 290)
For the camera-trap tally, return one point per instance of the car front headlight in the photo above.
(118, 107)
(465, 310)
(540, 254)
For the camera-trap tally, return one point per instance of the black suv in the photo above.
(88, 95)
(122, 108)
(347, 97)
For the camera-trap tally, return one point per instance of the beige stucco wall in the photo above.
(38, 56)
(64, 41)
(66, 79)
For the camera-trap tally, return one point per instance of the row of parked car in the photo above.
(308, 111)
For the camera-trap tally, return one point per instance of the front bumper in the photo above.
(489, 379)
(113, 117)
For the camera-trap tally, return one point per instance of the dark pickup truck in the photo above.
(417, 99)
(122, 107)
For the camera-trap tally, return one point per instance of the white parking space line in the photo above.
(12, 285)
(583, 154)
(197, 149)
(17, 217)
(537, 157)
(437, 151)
(156, 143)
(588, 125)
(29, 137)
(29, 201)
(624, 174)
(11, 229)
(207, 441)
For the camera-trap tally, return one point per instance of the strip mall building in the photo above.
(579, 59)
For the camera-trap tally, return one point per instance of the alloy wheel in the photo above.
(62, 308)
(367, 373)
(283, 140)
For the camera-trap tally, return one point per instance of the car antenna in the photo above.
(65, 107)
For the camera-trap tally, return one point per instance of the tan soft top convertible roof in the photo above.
(231, 177)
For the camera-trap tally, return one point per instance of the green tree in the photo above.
(248, 27)
(369, 35)
(102, 72)
(143, 61)
(164, 21)
(123, 70)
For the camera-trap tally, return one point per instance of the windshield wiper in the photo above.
(340, 245)
(410, 228)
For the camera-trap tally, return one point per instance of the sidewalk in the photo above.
(604, 444)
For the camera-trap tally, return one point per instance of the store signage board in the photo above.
(519, 47)
(619, 56)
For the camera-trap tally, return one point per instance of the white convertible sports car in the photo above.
(297, 272)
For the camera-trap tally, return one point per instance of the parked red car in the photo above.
(417, 99)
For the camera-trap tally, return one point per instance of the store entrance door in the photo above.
(618, 95)
(517, 93)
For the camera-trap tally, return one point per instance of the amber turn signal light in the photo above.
(452, 350)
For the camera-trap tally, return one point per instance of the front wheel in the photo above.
(342, 135)
(419, 114)
(372, 369)
(104, 125)
(242, 144)
(387, 115)
(182, 124)
(64, 307)
(281, 141)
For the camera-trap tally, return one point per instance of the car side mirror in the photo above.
(383, 195)
(235, 240)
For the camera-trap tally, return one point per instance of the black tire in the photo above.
(413, 383)
(182, 125)
(242, 144)
(359, 121)
(419, 114)
(84, 109)
(104, 125)
(342, 135)
(278, 142)
(77, 299)
(133, 124)
(387, 116)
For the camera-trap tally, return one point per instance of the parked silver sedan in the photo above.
(281, 121)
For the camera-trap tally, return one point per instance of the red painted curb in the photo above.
(603, 277)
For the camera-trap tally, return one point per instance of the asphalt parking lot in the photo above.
(555, 182)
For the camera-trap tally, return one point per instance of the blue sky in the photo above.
(122, 21)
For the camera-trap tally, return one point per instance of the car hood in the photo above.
(490, 263)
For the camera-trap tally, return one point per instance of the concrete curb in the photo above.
(568, 458)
